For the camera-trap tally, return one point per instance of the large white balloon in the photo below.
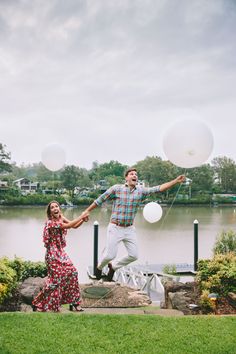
(53, 157)
(152, 212)
(188, 143)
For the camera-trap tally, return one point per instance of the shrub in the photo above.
(32, 199)
(82, 200)
(169, 269)
(34, 269)
(206, 303)
(17, 264)
(26, 269)
(218, 274)
(225, 243)
(13, 271)
(3, 292)
(8, 279)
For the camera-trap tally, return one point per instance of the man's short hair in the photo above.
(129, 170)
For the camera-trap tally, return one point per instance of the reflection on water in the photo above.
(168, 241)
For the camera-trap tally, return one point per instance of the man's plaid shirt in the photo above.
(125, 201)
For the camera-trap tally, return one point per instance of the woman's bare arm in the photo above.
(66, 224)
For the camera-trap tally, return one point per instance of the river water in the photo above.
(169, 241)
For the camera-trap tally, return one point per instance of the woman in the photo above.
(62, 285)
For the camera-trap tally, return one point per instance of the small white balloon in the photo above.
(188, 143)
(53, 157)
(152, 212)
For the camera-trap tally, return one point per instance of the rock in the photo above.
(180, 301)
(179, 295)
(29, 288)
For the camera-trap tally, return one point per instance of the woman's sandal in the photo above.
(74, 307)
(36, 309)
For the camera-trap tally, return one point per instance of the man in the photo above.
(126, 199)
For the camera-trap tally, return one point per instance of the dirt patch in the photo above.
(224, 307)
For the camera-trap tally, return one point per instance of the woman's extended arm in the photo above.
(65, 220)
(67, 224)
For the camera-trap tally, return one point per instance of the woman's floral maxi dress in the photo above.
(62, 286)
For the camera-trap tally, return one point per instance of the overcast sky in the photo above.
(105, 78)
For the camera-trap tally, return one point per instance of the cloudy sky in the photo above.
(105, 78)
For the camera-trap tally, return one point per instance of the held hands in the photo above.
(85, 216)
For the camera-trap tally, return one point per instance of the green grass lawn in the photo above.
(84, 333)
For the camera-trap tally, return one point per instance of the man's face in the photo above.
(132, 178)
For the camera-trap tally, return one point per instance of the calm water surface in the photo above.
(168, 241)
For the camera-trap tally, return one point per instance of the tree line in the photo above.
(217, 177)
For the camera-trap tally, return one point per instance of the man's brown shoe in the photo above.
(110, 273)
(98, 274)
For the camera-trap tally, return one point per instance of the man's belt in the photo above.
(120, 224)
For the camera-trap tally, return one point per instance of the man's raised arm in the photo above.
(167, 185)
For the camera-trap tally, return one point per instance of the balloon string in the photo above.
(167, 213)
(53, 184)
(101, 298)
(170, 207)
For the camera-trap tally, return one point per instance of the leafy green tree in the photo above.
(52, 185)
(5, 157)
(35, 172)
(113, 171)
(202, 178)
(155, 171)
(225, 173)
(111, 180)
(83, 178)
(43, 174)
(69, 178)
(19, 171)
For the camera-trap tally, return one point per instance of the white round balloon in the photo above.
(188, 143)
(53, 157)
(152, 212)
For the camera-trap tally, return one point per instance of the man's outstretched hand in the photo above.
(85, 216)
(180, 179)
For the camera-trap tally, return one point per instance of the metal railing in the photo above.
(148, 283)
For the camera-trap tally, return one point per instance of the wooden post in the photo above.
(195, 244)
(95, 246)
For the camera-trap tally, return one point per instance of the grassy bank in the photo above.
(71, 333)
